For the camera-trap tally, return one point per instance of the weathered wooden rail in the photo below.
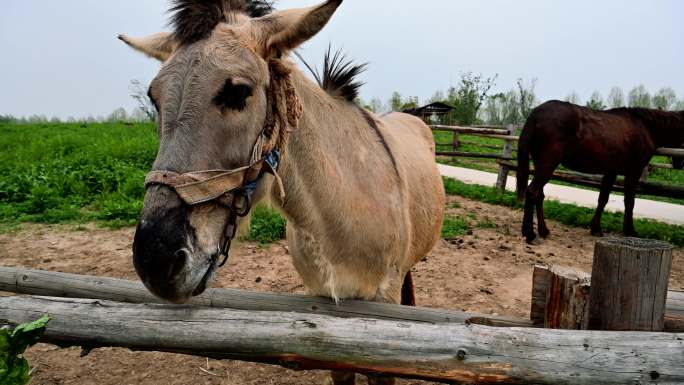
(506, 160)
(467, 354)
(55, 284)
(391, 340)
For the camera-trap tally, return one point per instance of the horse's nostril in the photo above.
(181, 259)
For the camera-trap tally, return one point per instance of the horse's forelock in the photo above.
(194, 20)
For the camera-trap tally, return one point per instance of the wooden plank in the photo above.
(466, 354)
(676, 152)
(470, 130)
(648, 188)
(674, 308)
(629, 284)
(502, 177)
(464, 154)
(37, 282)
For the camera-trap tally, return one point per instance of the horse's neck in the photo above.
(320, 153)
(667, 130)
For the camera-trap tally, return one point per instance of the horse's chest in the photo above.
(339, 275)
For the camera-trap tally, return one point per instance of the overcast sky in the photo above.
(62, 58)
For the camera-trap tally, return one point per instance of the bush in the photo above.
(267, 226)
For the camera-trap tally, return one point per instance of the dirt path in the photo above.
(488, 271)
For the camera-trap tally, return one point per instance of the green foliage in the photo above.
(468, 97)
(14, 369)
(454, 227)
(596, 102)
(63, 172)
(569, 214)
(267, 226)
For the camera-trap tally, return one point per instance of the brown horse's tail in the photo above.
(408, 296)
(523, 173)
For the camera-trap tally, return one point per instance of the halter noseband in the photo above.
(235, 188)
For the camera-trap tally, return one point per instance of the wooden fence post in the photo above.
(502, 179)
(455, 144)
(629, 284)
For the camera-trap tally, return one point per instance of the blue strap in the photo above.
(273, 160)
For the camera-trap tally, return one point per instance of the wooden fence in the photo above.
(507, 160)
(301, 332)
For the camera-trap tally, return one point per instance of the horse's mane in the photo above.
(193, 20)
(653, 117)
(339, 75)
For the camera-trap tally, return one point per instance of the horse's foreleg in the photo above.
(541, 222)
(630, 196)
(606, 187)
(528, 221)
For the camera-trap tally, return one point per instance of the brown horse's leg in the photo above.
(541, 222)
(535, 197)
(343, 378)
(408, 295)
(606, 187)
(631, 182)
(528, 221)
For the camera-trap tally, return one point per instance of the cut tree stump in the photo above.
(567, 299)
(629, 284)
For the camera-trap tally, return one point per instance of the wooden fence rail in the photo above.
(506, 160)
(467, 354)
(54, 284)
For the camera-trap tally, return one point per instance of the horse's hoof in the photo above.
(597, 233)
(533, 240)
(544, 233)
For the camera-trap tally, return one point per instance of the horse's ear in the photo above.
(286, 30)
(158, 46)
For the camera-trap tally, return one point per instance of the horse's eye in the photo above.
(233, 96)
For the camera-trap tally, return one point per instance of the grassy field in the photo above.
(55, 173)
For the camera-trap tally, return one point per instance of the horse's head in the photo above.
(212, 96)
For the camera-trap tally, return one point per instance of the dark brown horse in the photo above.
(611, 143)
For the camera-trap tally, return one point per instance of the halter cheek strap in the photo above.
(235, 188)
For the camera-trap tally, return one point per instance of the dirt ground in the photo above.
(487, 271)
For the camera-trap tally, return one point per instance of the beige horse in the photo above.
(362, 194)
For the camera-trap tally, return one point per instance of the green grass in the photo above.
(568, 214)
(74, 173)
(454, 227)
(51, 173)
(267, 226)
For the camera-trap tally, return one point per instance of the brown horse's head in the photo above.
(212, 100)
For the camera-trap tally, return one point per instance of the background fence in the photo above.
(455, 142)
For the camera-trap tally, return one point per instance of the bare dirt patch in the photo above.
(487, 271)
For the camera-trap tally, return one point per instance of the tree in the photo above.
(680, 106)
(396, 101)
(573, 98)
(665, 99)
(596, 101)
(118, 115)
(526, 99)
(616, 98)
(377, 106)
(639, 97)
(139, 93)
(438, 96)
(469, 96)
(411, 103)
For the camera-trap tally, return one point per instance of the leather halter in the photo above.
(234, 189)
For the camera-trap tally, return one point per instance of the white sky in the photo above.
(62, 58)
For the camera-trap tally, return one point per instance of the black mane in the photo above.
(194, 20)
(339, 77)
(653, 117)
